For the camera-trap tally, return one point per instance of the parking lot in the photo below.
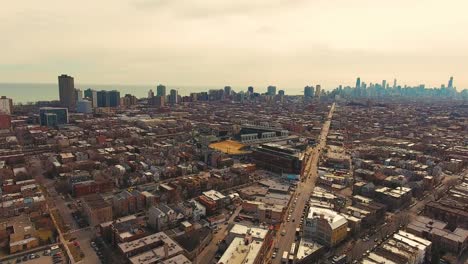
(39, 258)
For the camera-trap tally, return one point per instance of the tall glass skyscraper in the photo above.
(114, 98)
(161, 90)
(271, 90)
(173, 97)
(108, 98)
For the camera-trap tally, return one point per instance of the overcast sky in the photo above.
(238, 42)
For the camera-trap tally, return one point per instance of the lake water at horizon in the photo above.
(33, 92)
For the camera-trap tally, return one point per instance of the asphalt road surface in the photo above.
(302, 193)
(209, 252)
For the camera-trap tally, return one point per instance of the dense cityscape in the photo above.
(366, 174)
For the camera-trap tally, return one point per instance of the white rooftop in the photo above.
(334, 219)
(214, 195)
(239, 253)
(306, 248)
(241, 230)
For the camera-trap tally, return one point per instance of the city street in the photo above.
(209, 251)
(302, 193)
(58, 201)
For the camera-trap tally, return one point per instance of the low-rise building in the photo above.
(128, 202)
(96, 209)
(199, 210)
(150, 249)
(394, 198)
(125, 229)
(157, 219)
(265, 213)
(193, 242)
(245, 251)
(436, 232)
(177, 259)
(23, 236)
(260, 237)
(308, 251)
(213, 201)
(278, 158)
(402, 247)
(448, 210)
(325, 226)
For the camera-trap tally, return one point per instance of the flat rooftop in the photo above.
(241, 230)
(179, 259)
(240, 253)
(306, 248)
(158, 241)
(214, 195)
(95, 201)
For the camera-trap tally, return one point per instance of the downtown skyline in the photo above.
(30, 92)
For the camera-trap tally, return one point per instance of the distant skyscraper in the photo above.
(173, 97)
(6, 105)
(271, 90)
(101, 97)
(67, 91)
(161, 90)
(150, 94)
(227, 91)
(308, 92)
(88, 93)
(358, 83)
(91, 95)
(128, 100)
(78, 94)
(450, 83)
(113, 98)
(250, 89)
(394, 83)
(194, 97)
(281, 92)
(318, 90)
(384, 84)
(108, 98)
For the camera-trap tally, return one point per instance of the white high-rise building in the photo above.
(6, 105)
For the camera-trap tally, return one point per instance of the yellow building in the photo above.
(325, 226)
